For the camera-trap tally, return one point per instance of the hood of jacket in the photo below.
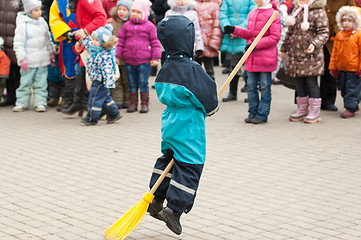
(22, 17)
(169, 30)
(315, 4)
(351, 11)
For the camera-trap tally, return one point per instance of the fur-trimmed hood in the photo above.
(112, 42)
(351, 11)
(315, 4)
(173, 4)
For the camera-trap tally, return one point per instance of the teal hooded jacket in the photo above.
(186, 89)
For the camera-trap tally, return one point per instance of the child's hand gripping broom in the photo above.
(134, 216)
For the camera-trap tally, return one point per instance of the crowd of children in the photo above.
(226, 26)
(190, 32)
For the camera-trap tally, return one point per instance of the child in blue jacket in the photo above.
(101, 65)
(190, 95)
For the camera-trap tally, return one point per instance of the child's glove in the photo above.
(24, 65)
(52, 60)
(199, 53)
(229, 29)
(358, 73)
(70, 36)
(335, 73)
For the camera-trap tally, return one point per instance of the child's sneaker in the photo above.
(171, 219)
(40, 108)
(19, 109)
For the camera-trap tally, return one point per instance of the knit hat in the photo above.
(30, 5)
(125, 3)
(291, 20)
(103, 34)
(143, 6)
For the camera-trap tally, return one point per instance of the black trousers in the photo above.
(328, 84)
(179, 186)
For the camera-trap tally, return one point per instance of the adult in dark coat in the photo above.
(8, 13)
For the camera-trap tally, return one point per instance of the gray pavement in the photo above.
(282, 180)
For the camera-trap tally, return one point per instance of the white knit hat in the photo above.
(30, 5)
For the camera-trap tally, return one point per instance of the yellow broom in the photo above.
(134, 216)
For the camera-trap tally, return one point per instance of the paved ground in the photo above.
(281, 180)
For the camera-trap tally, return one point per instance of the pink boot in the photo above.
(302, 109)
(314, 114)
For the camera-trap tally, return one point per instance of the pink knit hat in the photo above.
(143, 6)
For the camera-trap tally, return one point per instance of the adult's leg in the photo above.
(328, 85)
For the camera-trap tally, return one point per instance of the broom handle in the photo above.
(162, 176)
(247, 53)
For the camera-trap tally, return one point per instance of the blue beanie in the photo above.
(125, 3)
(103, 34)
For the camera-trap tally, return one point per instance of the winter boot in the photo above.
(53, 102)
(314, 114)
(133, 98)
(144, 101)
(302, 109)
(154, 208)
(171, 219)
(347, 114)
(233, 86)
(79, 98)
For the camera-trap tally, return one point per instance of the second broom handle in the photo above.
(162, 176)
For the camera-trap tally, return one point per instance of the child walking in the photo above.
(119, 16)
(345, 62)
(208, 15)
(140, 49)
(190, 95)
(303, 50)
(262, 61)
(101, 65)
(34, 52)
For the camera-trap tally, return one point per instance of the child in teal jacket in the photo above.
(190, 95)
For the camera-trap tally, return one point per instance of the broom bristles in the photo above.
(130, 220)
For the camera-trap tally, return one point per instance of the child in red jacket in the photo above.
(4, 67)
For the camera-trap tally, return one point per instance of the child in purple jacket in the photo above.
(262, 61)
(140, 49)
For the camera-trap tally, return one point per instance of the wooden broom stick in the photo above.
(247, 53)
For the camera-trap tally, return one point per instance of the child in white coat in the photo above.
(34, 52)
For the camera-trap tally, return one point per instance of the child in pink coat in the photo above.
(262, 61)
(140, 49)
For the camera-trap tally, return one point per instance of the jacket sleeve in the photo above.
(57, 25)
(204, 89)
(284, 46)
(86, 43)
(216, 36)
(223, 15)
(96, 10)
(108, 74)
(121, 40)
(155, 43)
(321, 24)
(274, 35)
(19, 42)
(334, 54)
(198, 32)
